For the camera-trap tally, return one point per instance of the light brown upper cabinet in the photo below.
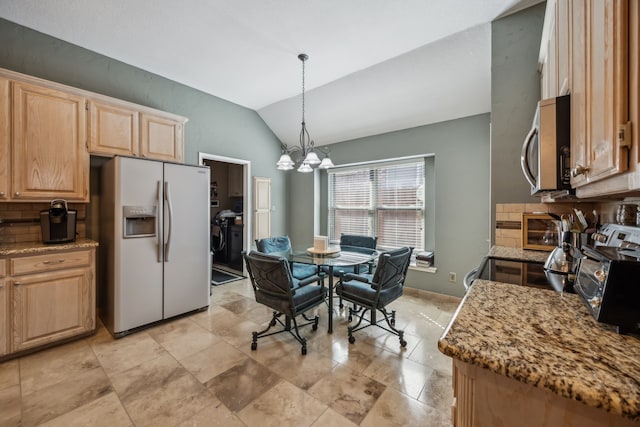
(5, 139)
(113, 129)
(608, 88)
(120, 128)
(596, 49)
(161, 138)
(49, 153)
(604, 146)
(601, 136)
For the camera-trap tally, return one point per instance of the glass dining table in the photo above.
(346, 256)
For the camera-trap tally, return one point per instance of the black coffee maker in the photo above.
(58, 223)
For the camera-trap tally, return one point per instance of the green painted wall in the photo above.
(515, 90)
(215, 126)
(460, 178)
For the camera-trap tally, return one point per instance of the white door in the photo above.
(262, 207)
(187, 260)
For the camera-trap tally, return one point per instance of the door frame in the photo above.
(247, 201)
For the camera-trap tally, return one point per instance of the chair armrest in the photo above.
(351, 276)
(309, 280)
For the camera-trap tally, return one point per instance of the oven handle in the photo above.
(469, 278)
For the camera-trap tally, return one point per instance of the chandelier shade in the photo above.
(305, 154)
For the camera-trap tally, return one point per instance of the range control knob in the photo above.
(599, 237)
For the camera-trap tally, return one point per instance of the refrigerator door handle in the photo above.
(167, 243)
(159, 231)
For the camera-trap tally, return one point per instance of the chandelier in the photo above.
(305, 154)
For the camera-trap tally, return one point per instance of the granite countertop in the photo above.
(548, 340)
(25, 248)
(518, 253)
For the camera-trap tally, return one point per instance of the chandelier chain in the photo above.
(303, 61)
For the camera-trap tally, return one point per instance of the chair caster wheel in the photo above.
(403, 343)
(341, 306)
(350, 319)
(254, 346)
(272, 323)
(304, 350)
(393, 322)
(352, 339)
(314, 327)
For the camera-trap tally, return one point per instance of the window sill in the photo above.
(431, 269)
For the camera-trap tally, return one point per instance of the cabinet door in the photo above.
(161, 138)
(563, 53)
(579, 128)
(262, 207)
(50, 157)
(608, 86)
(235, 180)
(4, 317)
(112, 130)
(52, 306)
(5, 140)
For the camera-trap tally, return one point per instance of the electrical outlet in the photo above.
(452, 277)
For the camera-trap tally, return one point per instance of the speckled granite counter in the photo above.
(518, 253)
(39, 247)
(548, 340)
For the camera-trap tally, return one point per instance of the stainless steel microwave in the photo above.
(545, 157)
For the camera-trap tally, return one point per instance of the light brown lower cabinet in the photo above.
(4, 311)
(52, 298)
(485, 399)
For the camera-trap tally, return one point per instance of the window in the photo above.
(379, 199)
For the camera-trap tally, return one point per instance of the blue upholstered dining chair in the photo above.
(355, 241)
(275, 287)
(373, 292)
(283, 244)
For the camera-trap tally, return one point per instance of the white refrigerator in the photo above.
(154, 242)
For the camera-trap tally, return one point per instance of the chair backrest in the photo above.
(273, 244)
(358, 241)
(392, 268)
(271, 280)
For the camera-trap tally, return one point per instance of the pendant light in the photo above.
(307, 156)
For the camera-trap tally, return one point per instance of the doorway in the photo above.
(230, 195)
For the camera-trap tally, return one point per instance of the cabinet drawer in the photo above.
(3, 268)
(49, 262)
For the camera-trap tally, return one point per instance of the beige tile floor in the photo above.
(199, 370)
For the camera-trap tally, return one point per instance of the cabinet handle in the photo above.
(57, 261)
(579, 170)
(17, 283)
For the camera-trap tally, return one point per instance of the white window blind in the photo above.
(383, 200)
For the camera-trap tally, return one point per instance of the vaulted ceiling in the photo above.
(374, 65)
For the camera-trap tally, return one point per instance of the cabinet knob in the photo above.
(17, 283)
(1, 193)
(17, 194)
(579, 170)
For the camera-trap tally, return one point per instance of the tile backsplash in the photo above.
(508, 231)
(20, 222)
